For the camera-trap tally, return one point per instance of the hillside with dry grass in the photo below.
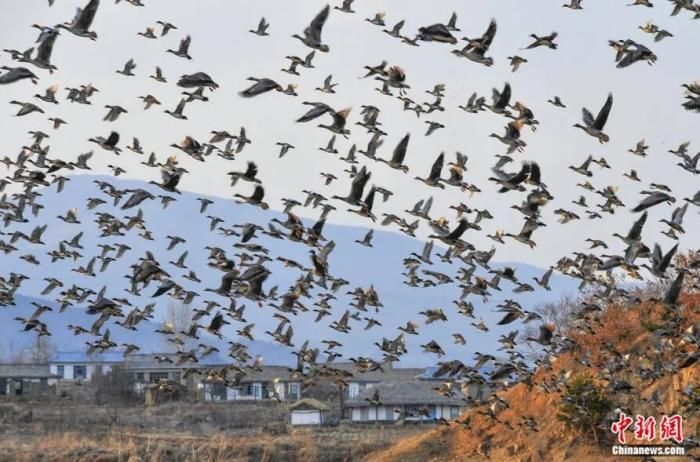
(632, 334)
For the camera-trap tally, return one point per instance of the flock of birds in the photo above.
(244, 275)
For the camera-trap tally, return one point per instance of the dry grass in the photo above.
(342, 443)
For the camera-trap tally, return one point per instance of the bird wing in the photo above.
(400, 150)
(604, 113)
(251, 170)
(43, 52)
(317, 111)
(436, 169)
(504, 97)
(314, 30)
(488, 36)
(458, 231)
(87, 15)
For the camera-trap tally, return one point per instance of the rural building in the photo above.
(308, 412)
(24, 379)
(408, 400)
(76, 365)
(271, 382)
(149, 368)
(473, 390)
(361, 381)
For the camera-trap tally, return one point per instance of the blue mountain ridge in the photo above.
(380, 266)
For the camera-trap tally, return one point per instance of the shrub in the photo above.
(584, 407)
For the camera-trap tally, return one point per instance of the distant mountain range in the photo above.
(380, 266)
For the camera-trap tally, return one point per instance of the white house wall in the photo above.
(308, 417)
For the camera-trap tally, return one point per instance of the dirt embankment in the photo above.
(629, 331)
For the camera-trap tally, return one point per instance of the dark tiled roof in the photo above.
(389, 374)
(409, 392)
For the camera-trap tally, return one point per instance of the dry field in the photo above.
(46, 431)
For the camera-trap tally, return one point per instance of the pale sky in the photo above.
(582, 71)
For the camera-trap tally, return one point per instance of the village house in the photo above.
(414, 400)
(308, 412)
(149, 368)
(80, 366)
(361, 380)
(25, 379)
(472, 390)
(271, 382)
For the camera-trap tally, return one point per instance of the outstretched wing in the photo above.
(400, 150)
(314, 30)
(604, 113)
(87, 15)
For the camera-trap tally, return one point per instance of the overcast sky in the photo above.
(582, 71)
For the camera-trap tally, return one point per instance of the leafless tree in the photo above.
(178, 317)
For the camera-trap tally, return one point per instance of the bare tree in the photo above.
(178, 317)
(40, 350)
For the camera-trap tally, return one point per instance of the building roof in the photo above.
(416, 392)
(308, 403)
(83, 357)
(25, 371)
(428, 373)
(389, 374)
(143, 361)
(268, 374)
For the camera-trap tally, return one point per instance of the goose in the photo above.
(653, 199)
(82, 21)
(398, 156)
(113, 113)
(263, 25)
(433, 179)
(312, 34)
(546, 40)
(501, 100)
(42, 59)
(261, 86)
(474, 104)
(26, 108)
(396, 30)
(556, 102)
(346, 7)
(15, 74)
(197, 95)
(149, 100)
(256, 198)
(108, 144)
(676, 221)
(149, 33)
(573, 5)
(594, 127)
(183, 49)
(328, 87)
(196, 80)
(129, 66)
(319, 109)
(395, 78)
(377, 20)
(166, 27)
(436, 33)
(516, 61)
(177, 113)
(158, 76)
(330, 147)
(432, 127)
(525, 234)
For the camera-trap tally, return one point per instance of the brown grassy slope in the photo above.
(627, 329)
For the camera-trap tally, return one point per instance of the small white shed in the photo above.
(308, 412)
